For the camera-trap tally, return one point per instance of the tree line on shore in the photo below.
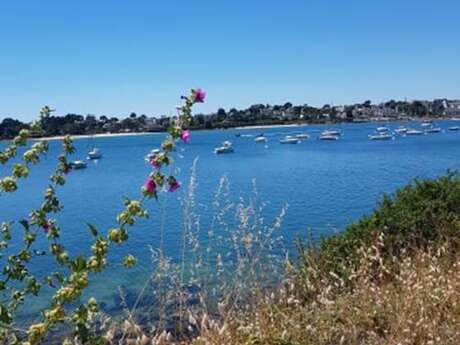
(258, 114)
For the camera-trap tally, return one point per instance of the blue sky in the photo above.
(110, 57)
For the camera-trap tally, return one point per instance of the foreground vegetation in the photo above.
(392, 278)
(70, 275)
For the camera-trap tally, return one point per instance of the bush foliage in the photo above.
(422, 213)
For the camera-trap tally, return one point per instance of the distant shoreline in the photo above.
(248, 127)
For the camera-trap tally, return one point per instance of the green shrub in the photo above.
(424, 212)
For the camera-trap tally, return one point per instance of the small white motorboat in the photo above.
(303, 136)
(329, 134)
(433, 129)
(383, 129)
(427, 123)
(414, 132)
(288, 139)
(454, 128)
(401, 130)
(381, 136)
(328, 137)
(334, 132)
(261, 139)
(226, 147)
(78, 164)
(95, 153)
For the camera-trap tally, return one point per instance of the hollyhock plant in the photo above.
(150, 186)
(173, 184)
(185, 136)
(64, 301)
(154, 162)
(200, 95)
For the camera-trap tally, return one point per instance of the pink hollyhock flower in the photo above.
(150, 186)
(185, 136)
(154, 162)
(200, 95)
(173, 186)
(47, 226)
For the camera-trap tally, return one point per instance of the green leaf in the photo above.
(24, 223)
(5, 316)
(93, 229)
(79, 264)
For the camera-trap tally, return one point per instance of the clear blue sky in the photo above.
(114, 57)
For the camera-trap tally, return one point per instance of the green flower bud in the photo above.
(63, 258)
(36, 332)
(20, 170)
(118, 235)
(92, 305)
(8, 184)
(129, 261)
(56, 314)
(31, 156)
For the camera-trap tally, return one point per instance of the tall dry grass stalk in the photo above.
(223, 268)
(412, 299)
(233, 285)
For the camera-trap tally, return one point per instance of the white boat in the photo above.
(381, 136)
(95, 153)
(78, 164)
(288, 139)
(401, 130)
(427, 123)
(382, 129)
(334, 132)
(414, 132)
(433, 129)
(328, 137)
(303, 136)
(454, 128)
(261, 139)
(226, 147)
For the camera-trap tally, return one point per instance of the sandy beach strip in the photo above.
(100, 135)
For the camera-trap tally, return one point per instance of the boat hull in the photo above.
(329, 137)
(380, 137)
(289, 141)
(222, 150)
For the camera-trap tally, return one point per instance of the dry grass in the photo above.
(380, 296)
(411, 299)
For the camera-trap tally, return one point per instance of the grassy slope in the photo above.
(391, 278)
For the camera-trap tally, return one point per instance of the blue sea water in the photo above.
(326, 184)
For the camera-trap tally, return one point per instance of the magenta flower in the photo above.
(154, 162)
(173, 186)
(150, 186)
(47, 226)
(200, 95)
(185, 136)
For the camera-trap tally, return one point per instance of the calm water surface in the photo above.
(326, 184)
